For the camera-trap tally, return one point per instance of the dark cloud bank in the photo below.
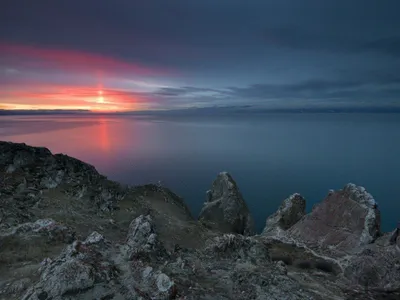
(285, 55)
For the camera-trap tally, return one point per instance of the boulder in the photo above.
(75, 273)
(142, 240)
(289, 213)
(225, 208)
(237, 246)
(345, 221)
(152, 284)
(52, 180)
(107, 199)
(47, 228)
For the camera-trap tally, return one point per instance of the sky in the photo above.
(129, 55)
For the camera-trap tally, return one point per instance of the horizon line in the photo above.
(244, 109)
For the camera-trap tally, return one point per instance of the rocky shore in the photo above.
(67, 232)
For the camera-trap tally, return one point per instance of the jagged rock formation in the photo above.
(289, 213)
(97, 269)
(66, 232)
(342, 233)
(225, 208)
(345, 221)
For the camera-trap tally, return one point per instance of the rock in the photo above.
(142, 243)
(394, 237)
(19, 155)
(74, 273)
(142, 239)
(52, 180)
(164, 283)
(147, 272)
(44, 227)
(21, 187)
(10, 169)
(372, 222)
(71, 276)
(253, 282)
(23, 158)
(208, 196)
(153, 285)
(225, 208)
(75, 169)
(94, 238)
(289, 213)
(345, 221)
(375, 267)
(45, 262)
(281, 267)
(18, 286)
(107, 199)
(238, 246)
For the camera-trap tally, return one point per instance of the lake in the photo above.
(270, 156)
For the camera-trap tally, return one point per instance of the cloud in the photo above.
(302, 39)
(389, 45)
(184, 91)
(368, 88)
(29, 57)
(310, 88)
(323, 92)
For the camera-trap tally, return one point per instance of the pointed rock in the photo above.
(142, 241)
(225, 208)
(289, 213)
(346, 220)
(394, 237)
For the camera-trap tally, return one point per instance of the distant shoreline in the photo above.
(207, 112)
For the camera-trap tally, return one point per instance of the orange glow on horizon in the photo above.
(75, 97)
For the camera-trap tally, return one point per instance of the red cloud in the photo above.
(61, 92)
(41, 58)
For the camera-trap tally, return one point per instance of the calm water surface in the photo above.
(270, 157)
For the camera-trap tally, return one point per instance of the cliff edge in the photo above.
(67, 232)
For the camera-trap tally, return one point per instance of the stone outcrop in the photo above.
(80, 271)
(142, 239)
(342, 234)
(229, 267)
(225, 208)
(289, 213)
(47, 228)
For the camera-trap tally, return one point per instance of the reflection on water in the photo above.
(270, 157)
(104, 138)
